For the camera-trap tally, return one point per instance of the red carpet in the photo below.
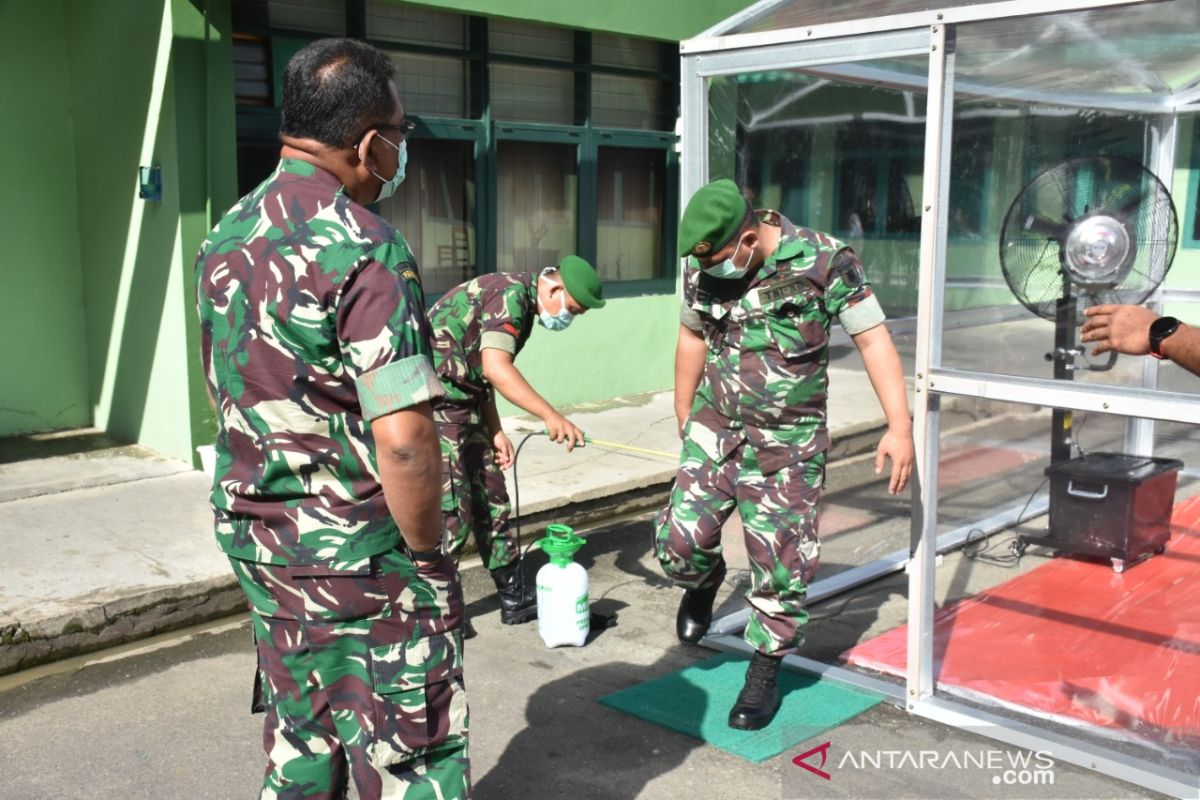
(1075, 640)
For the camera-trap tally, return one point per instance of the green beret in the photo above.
(713, 215)
(581, 281)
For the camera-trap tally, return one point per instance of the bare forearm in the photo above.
(689, 368)
(886, 373)
(1183, 347)
(410, 472)
(491, 416)
(509, 381)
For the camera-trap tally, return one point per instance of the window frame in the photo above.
(486, 131)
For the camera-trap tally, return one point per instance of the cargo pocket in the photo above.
(419, 698)
(797, 327)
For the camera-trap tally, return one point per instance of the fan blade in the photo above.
(1132, 203)
(1045, 227)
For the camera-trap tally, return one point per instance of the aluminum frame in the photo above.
(716, 38)
(714, 54)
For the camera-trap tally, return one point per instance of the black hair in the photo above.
(335, 90)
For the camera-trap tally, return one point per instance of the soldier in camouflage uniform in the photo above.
(316, 350)
(759, 294)
(479, 327)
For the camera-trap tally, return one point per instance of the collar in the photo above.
(305, 169)
(790, 245)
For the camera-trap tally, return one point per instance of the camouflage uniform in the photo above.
(496, 310)
(756, 435)
(313, 325)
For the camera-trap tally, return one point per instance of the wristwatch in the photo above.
(1160, 329)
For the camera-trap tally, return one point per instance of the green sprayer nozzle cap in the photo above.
(560, 543)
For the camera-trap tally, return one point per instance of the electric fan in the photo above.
(1088, 231)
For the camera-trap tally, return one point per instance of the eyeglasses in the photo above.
(406, 127)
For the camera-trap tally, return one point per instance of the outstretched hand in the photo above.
(897, 446)
(1123, 328)
(562, 430)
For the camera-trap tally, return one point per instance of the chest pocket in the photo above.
(795, 325)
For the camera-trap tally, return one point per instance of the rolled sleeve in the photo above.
(496, 340)
(862, 316)
(690, 318)
(397, 385)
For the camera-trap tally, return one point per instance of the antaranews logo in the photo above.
(1007, 767)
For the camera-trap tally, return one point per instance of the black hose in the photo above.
(517, 510)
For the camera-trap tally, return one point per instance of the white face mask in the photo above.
(728, 269)
(390, 187)
(559, 321)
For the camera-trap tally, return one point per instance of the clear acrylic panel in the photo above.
(1139, 52)
(1068, 204)
(434, 209)
(537, 186)
(834, 153)
(844, 157)
(629, 213)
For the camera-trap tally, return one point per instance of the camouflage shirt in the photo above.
(312, 324)
(495, 310)
(764, 376)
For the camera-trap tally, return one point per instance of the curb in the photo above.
(122, 620)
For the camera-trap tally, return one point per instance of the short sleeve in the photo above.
(504, 314)
(688, 316)
(384, 336)
(848, 296)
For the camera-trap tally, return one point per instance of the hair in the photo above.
(334, 90)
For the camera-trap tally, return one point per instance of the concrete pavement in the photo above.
(115, 544)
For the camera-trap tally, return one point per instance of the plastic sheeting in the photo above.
(1099, 57)
(1074, 641)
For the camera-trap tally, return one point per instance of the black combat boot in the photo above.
(695, 609)
(518, 597)
(759, 699)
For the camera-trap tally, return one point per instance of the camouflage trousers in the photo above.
(360, 675)
(779, 515)
(474, 496)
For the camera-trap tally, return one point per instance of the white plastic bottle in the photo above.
(562, 590)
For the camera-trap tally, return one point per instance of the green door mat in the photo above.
(696, 701)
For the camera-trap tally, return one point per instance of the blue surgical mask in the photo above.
(390, 187)
(556, 322)
(728, 269)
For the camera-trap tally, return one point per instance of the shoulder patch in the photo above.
(409, 275)
(847, 265)
(511, 329)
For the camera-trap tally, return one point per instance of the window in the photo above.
(536, 191)
(630, 213)
(532, 141)
(395, 22)
(623, 102)
(251, 70)
(533, 94)
(434, 209)
(431, 85)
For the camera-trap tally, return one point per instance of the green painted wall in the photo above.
(669, 20)
(43, 361)
(625, 348)
(141, 93)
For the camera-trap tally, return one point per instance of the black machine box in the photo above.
(1111, 505)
